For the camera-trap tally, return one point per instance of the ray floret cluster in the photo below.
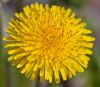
(49, 41)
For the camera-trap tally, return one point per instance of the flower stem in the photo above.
(65, 83)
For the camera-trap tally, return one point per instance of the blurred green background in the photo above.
(89, 10)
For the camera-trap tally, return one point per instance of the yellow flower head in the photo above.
(49, 42)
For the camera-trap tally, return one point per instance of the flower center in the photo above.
(51, 38)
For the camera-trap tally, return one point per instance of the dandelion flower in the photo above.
(49, 41)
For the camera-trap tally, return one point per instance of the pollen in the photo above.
(49, 41)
